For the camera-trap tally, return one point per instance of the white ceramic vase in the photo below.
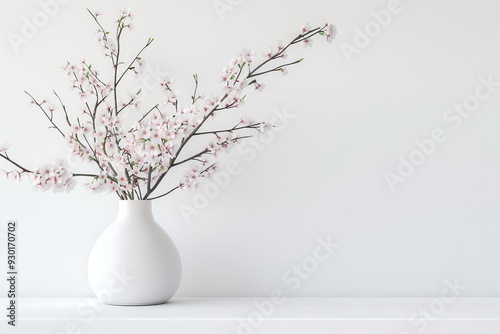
(134, 261)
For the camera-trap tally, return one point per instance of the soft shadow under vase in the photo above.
(134, 261)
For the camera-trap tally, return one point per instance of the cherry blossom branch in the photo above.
(26, 170)
(207, 116)
(194, 98)
(96, 105)
(137, 57)
(235, 128)
(277, 68)
(85, 175)
(165, 194)
(6, 157)
(98, 23)
(89, 67)
(239, 72)
(277, 55)
(150, 172)
(176, 102)
(234, 140)
(82, 91)
(191, 158)
(54, 126)
(207, 169)
(116, 63)
(251, 73)
(90, 146)
(183, 143)
(147, 114)
(309, 34)
(80, 142)
(296, 40)
(134, 163)
(64, 108)
(139, 195)
(125, 106)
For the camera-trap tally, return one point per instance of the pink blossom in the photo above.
(280, 45)
(172, 96)
(13, 176)
(269, 53)
(212, 146)
(245, 120)
(259, 87)
(56, 177)
(110, 45)
(166, 82)
(248, 56)
(307, 42)
(4, 147)
(127, 148)
(129, 25)
(125, 12)
(305, 28)
(95, 12)
(331, 32)
(211, 170)
(86, 129)
(265, 127)
(224, 78)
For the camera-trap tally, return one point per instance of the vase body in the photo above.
(134, 261)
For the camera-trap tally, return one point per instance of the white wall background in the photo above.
(323, 175)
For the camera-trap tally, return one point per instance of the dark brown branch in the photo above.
(6, 157)
(47, 115)
(165, 194)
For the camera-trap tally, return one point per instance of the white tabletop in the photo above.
(258, 315)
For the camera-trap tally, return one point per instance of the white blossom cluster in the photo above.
(132, 158)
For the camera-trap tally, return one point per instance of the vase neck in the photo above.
(131, 211)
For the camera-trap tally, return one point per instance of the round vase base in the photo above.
(134, 304)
